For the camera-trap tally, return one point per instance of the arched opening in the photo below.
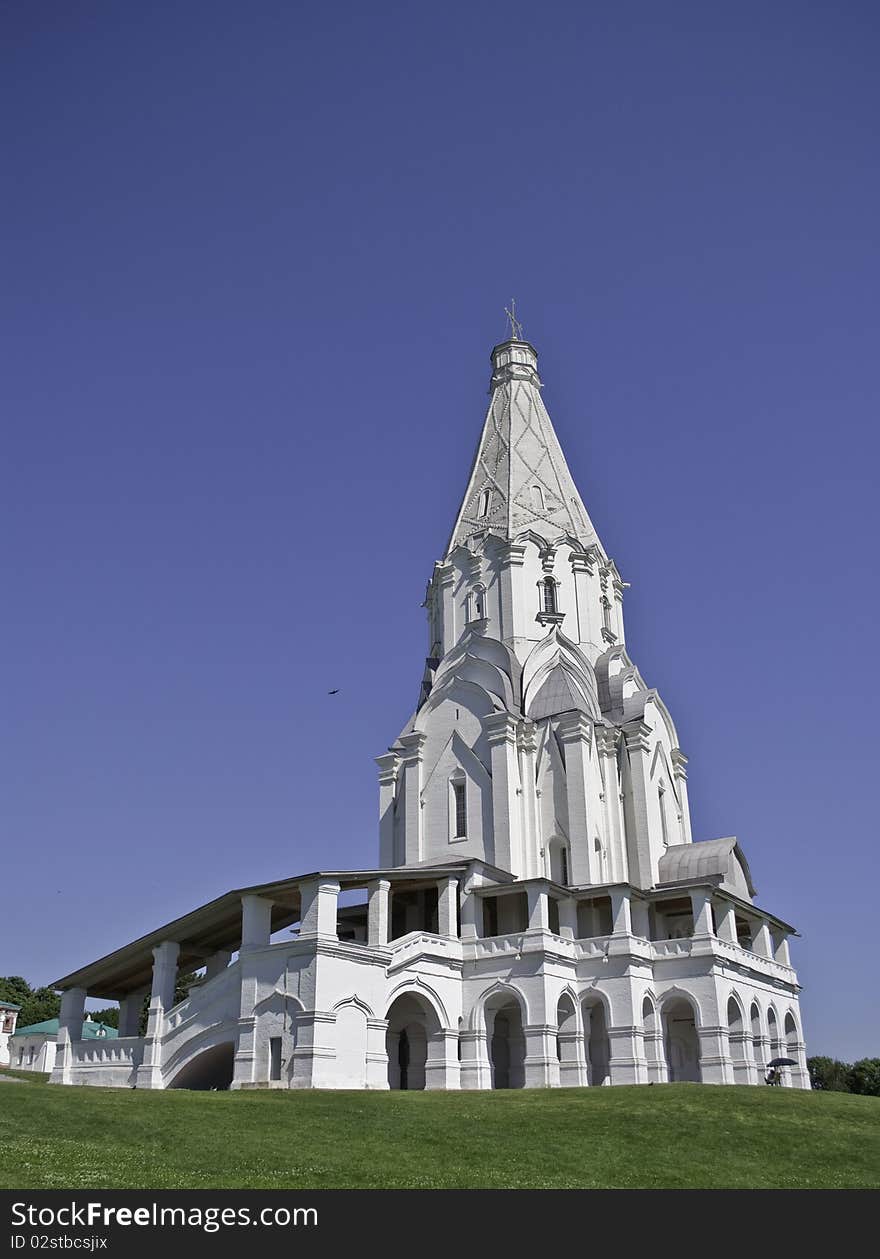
(559, 867)
(477, 604)
(537, 498)
(652, 1039)
(411, 1025)
(738, 1040)
(485, 498)
(773, 1034)
(209, 1070)
(597, 1046)
(548, 596)
(792, 1046)
(681, 1041)
(507, 1042)
(757, 1046)
(568, 1049)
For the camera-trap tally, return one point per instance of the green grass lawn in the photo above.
(669, 1136)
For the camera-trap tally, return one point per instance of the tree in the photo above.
(37, 1004)
(864, 1077)
(829, 1074)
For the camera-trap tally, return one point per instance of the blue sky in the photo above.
(255, 258)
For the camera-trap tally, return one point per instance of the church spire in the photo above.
(519, 479)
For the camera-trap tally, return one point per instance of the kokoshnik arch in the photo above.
(540, 915)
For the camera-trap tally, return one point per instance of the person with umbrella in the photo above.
(774, 1075)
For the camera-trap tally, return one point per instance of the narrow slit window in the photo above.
(537, 498)
(661, 792)
(460, 793)
(563, 864)
(485, 499)
(548, 596)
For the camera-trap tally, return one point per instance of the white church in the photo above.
(539, 915)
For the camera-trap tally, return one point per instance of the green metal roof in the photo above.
(49, 1027)
(9, 1005)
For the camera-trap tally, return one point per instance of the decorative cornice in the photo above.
(575, 727)
(636, 735)
(412, 745)
(500, 728)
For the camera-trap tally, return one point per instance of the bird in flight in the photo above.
(336, 692)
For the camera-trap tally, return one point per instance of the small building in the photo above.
(8, 1017)
(33, 1048)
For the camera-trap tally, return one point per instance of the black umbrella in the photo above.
(782, 1062)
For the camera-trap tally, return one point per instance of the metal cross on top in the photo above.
(515, 325)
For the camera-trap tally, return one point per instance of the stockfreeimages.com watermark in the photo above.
(99, 1215)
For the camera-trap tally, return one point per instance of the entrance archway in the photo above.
(506, 1040)
(209, 1070)
(412, 1023)
(652, 1040)
(597, 1047)
(681, 1041)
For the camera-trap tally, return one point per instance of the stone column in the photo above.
(411, 774)
(444, 575)
(379, 913)
(256, 923)
(761, 942)
(615, 837)
(447, 908)
(541, 1061)
(539, 906)
(621, 923)
(638, 821)
(442, 1070)
(510, 580)
(165, 955)
(130, 1008)
(679, 770)
(582, 571)
(217, 963)
(725, 921)
(314, 1057)
(572, 1062)
(568, 918)
(780, 949)
(388, 767)
(701, 903)
(471, 910)
(164, 980)
(627, 1064)
(641, 918)
(476, 1069)
(529, 815)
(319, 899)
(576, 731)
(377, 1055)
(716, 1065)
(73, 1004)
(500, 731)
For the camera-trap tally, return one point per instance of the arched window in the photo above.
(661, 792)
(537, 498)
(477, 604)
(485, 499)
(606, 612)
(563, 866)
(548, 596)
(458, 807)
